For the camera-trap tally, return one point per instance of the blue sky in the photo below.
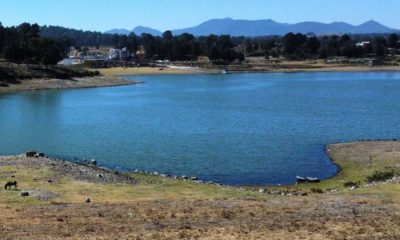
(102, 15)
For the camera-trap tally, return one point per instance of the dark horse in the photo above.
(9, 184)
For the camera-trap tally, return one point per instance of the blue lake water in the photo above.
(239, 129)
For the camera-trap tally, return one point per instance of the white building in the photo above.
(118, 54)
(363, 44)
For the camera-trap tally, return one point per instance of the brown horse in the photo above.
(9, 184)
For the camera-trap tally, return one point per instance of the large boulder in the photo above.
(30, 153)
(24, 194)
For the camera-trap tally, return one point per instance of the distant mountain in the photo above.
(120, 31)
(253, 28)
(140, 29)
(269, 27)
(137, 30)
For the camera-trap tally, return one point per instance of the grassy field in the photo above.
(153, 207)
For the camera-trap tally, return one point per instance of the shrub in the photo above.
(351, 184)
(317, 190)
(382, 175)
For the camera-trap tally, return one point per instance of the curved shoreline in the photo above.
(61, 198)
(195, 179)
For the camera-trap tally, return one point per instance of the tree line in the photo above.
(23, 44)
(182, 47)
(299, 46)
(30, 43)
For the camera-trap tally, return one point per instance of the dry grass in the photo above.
(119, 71)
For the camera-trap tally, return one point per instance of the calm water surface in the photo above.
(237, 129)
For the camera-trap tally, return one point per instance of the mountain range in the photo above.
(252, 28)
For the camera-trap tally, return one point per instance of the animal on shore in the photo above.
(10, 184)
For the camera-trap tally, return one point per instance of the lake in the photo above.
(239, 129)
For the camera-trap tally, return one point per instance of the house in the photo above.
(363, 44)
(118, 54)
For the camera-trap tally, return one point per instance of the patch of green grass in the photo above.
(359, 163)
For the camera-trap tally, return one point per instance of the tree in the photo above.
(292, 45)
(51, 53)
(133, 43)
(312, 45)
(379, 46)
(393, 40)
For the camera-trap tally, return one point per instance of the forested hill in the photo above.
(78, 37)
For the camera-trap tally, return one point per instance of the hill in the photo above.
(252, 28)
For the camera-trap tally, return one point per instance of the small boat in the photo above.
(312, 179)
(307, 179)
(301, 179)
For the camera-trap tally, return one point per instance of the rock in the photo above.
(193, 178)
(41, 155)
(24, 194)
(163, 175)
(49, 181)
(261, 190)
(30, 153)
(156, 173)
(99, 175)
(93, 161)
(87, 200)
(184, 177)
(304, 194)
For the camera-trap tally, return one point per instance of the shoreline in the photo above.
(197, 180)
(60, 84)
(113, 77)
(57, 198)
(139, 71)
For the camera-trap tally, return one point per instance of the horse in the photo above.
(9, 184)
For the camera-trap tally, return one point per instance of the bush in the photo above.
(382, 175)
(317, 190)
(351, 184)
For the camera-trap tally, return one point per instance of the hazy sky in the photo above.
(102, 15)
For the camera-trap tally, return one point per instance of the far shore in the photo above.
(120, 71)
(112, 76)
(281, 68)
(84, 82)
